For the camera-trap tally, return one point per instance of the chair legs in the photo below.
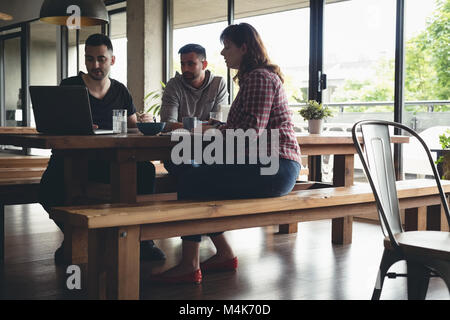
(419, 272)
(444, 271)
(441, 268)
(418, 279)
(389, 258)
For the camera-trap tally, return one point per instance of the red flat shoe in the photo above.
(227, 265)
(193, 277)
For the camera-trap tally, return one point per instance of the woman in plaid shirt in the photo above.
(261, 105)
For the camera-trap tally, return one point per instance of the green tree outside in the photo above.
(427, 70)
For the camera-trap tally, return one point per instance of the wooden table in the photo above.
(123, 151)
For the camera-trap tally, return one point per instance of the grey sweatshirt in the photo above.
(182, 100)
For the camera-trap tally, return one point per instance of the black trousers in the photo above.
(52, 191)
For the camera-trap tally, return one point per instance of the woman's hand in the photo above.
(206, 127)
(214, 122)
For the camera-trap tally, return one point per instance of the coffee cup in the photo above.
(190, 123)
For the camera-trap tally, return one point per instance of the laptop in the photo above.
(63, 110)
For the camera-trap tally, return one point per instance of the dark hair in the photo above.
(98, 39)
(256, 56)
(193, 47)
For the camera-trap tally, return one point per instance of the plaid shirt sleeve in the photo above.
(255, 99)
(262, 104)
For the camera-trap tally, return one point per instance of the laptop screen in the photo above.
(62, 110)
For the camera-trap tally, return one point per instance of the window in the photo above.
(201, 22)
(76, 59)
(359, 53)
(427, 81)
(291, 53)
(118, 37)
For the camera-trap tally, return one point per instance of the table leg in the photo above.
(75, 178)
(434, 218)
(416, 219)
(288, 228)
(343, 167)
(314, 174)
(342, 228)
(314, 166)
(123, 178)
(75, 181)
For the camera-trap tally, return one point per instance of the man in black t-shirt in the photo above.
(105, 94)
(117, 97)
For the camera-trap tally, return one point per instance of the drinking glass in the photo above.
(119, 121)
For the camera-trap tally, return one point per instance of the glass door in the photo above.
(11, 81)
(358, 60)
(359, 56)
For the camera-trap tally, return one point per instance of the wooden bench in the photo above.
(112, 233)
(19, 184)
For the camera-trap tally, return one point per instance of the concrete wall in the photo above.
(43, 63)
(145, 47)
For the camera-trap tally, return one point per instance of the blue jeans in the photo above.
(235, 181)
(178, 169)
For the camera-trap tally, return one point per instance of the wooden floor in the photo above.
(303, 266)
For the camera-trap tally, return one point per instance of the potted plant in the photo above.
(315, 112)
(152, 101)
(443, 160)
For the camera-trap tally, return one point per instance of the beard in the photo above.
(188, 75)
(97, 74)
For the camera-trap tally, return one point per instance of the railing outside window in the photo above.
(428, 118)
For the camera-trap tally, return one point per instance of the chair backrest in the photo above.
(378, 165)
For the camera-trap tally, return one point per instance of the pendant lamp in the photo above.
(6, 17)
(61, 12)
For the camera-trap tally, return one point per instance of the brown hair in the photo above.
(256, 56)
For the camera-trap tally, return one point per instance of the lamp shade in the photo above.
(92, 12)
(6, 17)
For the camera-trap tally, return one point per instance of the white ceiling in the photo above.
(185, 12)
(189, 13)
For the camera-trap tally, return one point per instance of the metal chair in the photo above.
(427, 253)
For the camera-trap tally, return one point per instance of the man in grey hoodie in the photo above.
(194, 93)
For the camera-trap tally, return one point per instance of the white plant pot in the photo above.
(315, 126)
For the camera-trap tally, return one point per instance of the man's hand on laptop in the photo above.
(94, 127)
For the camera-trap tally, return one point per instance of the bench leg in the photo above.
(341, 230)
(288, 228)
(416, 219)
(113, 268)
(75, 245)
(2, 233)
